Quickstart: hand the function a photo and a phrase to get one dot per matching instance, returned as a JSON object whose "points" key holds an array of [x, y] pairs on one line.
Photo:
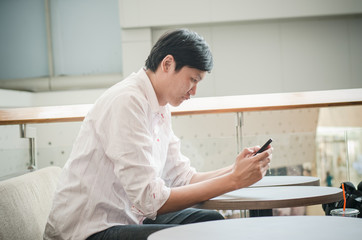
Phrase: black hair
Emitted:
{"points": [[187, 48]]}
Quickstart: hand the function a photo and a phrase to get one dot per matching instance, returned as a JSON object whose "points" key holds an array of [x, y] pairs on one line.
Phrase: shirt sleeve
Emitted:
{"points": [[178, 170], [124, 133]]}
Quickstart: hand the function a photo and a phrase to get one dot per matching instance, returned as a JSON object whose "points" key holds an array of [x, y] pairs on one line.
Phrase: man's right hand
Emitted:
{"points": [[249, 169]]}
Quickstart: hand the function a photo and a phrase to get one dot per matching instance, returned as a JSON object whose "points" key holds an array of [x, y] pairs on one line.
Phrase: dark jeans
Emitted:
{"points": [[142, 231]]}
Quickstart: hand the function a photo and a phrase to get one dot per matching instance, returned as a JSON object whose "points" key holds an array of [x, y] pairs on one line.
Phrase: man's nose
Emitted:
{"points": [[192, 91]]}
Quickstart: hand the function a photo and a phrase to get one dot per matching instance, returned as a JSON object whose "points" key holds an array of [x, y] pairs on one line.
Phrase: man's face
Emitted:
{"points": [[183, 84]]}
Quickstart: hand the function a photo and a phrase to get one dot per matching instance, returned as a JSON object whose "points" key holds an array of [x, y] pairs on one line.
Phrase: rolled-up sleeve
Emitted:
{"points": [[178, 170]]}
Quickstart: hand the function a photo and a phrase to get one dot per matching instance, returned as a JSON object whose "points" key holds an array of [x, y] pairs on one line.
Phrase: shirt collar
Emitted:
{"points": [[150, 93]]}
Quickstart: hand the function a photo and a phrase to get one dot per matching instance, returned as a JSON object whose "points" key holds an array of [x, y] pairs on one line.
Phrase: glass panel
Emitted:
{"points": [[339, 155], [293, 133], [55, 142], [23, 45], [208, 140], [354, 139], [14, 152], [293, 155], [86, 37]]}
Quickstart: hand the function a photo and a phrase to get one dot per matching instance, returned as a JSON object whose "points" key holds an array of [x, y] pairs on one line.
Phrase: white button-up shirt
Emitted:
{"points": [[122, 166]]}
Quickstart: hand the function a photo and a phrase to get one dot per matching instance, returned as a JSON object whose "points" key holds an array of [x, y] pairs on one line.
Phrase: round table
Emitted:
{"points": [[273, 197], [274, 181], [281, 228]]}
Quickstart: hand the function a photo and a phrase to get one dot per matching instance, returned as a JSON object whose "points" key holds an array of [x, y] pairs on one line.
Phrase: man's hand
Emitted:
{"points": [[249, 169]]}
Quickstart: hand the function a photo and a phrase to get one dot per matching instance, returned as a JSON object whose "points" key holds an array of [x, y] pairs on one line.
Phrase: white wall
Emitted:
{"points": [[258, 46], [10, 98], [277, 56], [161, 13], [66, 97]]}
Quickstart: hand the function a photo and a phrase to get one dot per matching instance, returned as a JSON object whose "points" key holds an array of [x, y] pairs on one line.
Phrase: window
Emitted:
{"points": [[84, 37]]}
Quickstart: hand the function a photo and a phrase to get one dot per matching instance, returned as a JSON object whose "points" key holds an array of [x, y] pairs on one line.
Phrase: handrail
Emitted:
{"points": [[270, 101], [49, 114], [241, 103]]}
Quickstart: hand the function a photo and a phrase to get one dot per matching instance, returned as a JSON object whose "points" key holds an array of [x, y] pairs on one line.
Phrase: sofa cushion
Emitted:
{"points": [[25, 203]]}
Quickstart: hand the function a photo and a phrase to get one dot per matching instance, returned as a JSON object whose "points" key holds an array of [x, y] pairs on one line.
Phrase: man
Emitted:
{"points": [[126, 177]]}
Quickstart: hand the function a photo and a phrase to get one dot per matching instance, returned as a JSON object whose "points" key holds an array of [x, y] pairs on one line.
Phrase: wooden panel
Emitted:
{"points": [[70, 113]]}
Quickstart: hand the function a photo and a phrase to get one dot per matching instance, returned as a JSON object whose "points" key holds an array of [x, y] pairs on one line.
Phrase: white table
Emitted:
{"points": [[277, 181], [280, 228], [274, 181], [273, 197]]}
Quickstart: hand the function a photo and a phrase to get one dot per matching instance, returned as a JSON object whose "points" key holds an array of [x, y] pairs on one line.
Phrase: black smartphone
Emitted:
{"points": [[262, 149]]}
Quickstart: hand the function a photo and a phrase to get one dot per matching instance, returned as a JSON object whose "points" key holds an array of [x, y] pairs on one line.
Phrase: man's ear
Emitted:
{"points": [[167, 63]]}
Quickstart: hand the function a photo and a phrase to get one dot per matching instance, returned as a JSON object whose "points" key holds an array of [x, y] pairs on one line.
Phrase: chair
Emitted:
{"points": [[25, 203]]}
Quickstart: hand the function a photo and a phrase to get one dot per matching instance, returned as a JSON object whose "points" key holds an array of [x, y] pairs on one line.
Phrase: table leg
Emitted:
{"points": [[244, 213], [261, 213]]}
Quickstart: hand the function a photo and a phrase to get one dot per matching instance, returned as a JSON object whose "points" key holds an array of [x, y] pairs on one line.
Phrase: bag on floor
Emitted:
{"points": [[353, 199]]}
